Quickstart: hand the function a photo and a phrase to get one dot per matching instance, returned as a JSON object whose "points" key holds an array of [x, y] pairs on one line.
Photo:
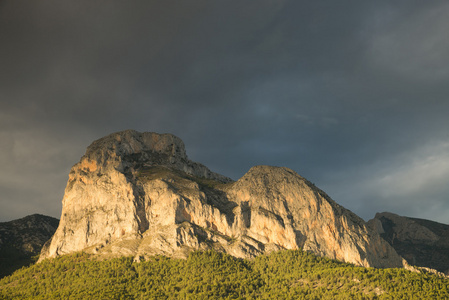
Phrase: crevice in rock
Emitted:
{"points": [[139, 195], [246, 213]]}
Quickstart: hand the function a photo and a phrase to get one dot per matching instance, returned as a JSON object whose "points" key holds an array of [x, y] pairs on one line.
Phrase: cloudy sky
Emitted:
{"points": [[352, 95]]}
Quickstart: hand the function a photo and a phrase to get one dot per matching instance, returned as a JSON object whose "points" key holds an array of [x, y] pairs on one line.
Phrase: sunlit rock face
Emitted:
{"points": [[138, 194]]}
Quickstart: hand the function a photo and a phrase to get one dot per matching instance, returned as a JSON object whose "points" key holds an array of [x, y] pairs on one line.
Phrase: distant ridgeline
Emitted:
{"points": [[138, 194], [22, 239]]}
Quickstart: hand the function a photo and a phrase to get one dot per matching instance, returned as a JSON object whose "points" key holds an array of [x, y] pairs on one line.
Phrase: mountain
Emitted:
{"points": [[422, 243], [138, 194], [23, 238]]}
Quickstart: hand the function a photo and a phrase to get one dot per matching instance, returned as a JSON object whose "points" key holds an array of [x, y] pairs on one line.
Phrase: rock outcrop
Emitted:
{"points": [[138, 194], [422, 243]]}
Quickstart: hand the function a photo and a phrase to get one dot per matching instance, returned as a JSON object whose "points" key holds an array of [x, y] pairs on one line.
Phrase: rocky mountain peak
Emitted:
{"points": [[130, 145], [131, 150], [138, 194]]}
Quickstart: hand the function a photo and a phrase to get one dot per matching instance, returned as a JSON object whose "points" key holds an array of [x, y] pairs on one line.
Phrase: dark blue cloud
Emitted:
{"points": [[353, 96]]}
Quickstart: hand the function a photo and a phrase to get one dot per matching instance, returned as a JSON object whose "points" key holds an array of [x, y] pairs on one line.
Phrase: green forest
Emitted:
{"points": [[213, 275]]}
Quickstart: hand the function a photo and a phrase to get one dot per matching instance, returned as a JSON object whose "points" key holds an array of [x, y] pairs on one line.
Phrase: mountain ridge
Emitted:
{"points": [[138, 194]]}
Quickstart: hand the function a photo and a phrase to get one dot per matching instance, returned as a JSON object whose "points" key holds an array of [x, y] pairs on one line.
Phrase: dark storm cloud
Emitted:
{"points": [[351, 95]]}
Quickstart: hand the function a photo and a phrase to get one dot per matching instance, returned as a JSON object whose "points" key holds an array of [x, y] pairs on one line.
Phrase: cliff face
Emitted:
{"points": [[138, 194], [290, 211], [422, 243]]}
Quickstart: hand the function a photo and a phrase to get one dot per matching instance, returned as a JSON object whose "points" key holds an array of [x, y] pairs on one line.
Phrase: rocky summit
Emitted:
{"points": [[138, 194]]}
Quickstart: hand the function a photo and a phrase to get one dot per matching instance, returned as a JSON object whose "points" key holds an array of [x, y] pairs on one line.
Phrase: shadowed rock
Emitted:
{"points": [[422, 243]]}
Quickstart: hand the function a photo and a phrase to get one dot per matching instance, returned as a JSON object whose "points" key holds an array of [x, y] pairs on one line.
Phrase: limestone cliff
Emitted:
{"points": [[422, 243], [138, 194]]}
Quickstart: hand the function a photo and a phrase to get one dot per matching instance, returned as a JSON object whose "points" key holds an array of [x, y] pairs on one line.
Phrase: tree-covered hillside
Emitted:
{"points": [[212, 275]]}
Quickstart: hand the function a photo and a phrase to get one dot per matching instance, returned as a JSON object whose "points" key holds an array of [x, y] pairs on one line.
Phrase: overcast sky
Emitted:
{"points": [[352, 95]]}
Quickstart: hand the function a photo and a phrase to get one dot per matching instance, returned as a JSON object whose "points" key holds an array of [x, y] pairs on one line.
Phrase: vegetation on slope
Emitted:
{"points": [[12, 259], [213, 275]]}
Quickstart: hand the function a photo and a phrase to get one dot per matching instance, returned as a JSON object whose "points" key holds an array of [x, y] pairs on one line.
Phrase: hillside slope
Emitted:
{"points": [[22, 239], [286, 274]]}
